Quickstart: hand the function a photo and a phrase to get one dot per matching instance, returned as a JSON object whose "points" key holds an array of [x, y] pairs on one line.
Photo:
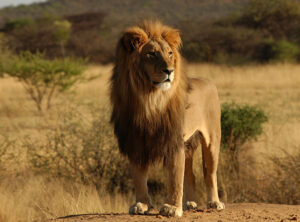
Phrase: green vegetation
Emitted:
{"points": [[19, 23], [42, 78], [240, 124], [282, 51]]}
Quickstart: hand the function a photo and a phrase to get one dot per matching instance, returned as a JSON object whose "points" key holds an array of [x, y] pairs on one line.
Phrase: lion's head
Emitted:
{"points": [[151, 52], [148, 91]]}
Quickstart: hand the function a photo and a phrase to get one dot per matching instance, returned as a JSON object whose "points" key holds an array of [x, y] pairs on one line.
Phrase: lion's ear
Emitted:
{"points": [[172, 36], [134, 38]]}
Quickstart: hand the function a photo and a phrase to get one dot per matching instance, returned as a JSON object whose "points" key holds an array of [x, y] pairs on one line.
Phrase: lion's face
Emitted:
{"points": [[157, 62], [152, 52]]}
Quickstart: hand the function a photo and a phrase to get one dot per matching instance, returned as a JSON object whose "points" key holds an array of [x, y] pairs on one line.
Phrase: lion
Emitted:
{"points": [[158, 113]]}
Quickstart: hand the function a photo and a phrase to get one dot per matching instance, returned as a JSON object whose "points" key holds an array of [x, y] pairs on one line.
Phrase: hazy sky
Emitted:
{"points": [[4, 3]]}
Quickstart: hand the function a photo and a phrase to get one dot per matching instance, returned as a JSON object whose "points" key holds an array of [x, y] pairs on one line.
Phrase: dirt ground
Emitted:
{"points": [[233, 212]]}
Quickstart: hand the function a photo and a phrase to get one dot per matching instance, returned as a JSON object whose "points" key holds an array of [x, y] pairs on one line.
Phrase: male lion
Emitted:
{"points": [[160, 114]]}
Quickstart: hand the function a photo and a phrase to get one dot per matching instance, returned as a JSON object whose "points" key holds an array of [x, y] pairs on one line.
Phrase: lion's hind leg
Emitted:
{"points": [[143, 202]]}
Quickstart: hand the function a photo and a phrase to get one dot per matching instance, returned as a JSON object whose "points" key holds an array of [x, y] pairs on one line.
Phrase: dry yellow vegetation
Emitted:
{"points": [[275, 88]]}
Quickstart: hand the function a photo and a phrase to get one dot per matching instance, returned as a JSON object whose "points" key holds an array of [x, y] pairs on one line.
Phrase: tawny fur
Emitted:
{"points": [[148, 122], [152, 124]]}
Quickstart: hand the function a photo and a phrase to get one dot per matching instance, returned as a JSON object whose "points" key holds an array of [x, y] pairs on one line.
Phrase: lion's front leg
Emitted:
{"points": [[143, 202], [189, 202], [175, 165], [210, 156]]}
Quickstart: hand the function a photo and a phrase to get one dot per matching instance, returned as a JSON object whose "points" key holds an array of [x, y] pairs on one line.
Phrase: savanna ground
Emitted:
{"points": [[234, 212], [269, 166]]}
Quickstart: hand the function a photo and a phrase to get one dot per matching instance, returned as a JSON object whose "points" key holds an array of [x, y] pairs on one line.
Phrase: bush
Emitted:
{"points": [[82, 151], [42, 78], [240, 124], [281, 51], [17, 24]]}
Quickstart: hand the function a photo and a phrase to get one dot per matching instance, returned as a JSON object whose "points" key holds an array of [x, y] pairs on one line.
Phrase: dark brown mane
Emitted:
{"points": [[148, 123]]}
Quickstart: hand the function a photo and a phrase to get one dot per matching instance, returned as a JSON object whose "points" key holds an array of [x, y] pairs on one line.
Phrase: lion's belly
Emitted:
{"points": [[198, 114]]}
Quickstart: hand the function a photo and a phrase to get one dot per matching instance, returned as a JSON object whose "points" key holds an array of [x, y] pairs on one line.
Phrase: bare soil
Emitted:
{"points": [[233, 212]]}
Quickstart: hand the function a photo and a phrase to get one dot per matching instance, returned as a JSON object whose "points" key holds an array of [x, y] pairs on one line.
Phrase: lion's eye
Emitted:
{"points": [[170, 54], [151, 54]]}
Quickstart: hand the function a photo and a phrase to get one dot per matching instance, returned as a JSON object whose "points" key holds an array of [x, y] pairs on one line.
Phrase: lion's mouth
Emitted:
{"points": [[157, 83]]}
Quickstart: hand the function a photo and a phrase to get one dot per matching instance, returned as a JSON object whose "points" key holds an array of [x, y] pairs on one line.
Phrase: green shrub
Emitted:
{"points": [[240, 124], [281, 51], [17, 24], [42, 78]]}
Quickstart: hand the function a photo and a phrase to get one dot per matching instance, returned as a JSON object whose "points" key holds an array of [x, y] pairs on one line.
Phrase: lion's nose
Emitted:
{"points": [[168, 71]]}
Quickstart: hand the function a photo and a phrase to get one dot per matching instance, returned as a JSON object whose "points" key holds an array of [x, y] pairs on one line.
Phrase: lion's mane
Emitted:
{"points": [[148, 122]]}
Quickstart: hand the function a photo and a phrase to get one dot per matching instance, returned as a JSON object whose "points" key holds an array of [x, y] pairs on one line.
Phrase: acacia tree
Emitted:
{"points": [[43, 78]]}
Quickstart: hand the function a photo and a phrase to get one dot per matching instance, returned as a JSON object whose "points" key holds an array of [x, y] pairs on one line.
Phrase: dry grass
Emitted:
{"points": [[33, 198], [275, 88]]}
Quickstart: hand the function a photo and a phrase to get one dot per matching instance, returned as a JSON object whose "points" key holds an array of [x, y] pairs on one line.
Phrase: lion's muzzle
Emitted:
{"points": [[165, 84]]}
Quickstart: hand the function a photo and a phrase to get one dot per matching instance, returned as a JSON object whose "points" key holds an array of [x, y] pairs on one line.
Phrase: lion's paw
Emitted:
{"points": [[138, 208], [215, 205], [170, 211], [190, 205]]}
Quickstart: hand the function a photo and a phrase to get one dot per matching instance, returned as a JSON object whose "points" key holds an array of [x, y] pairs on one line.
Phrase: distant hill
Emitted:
{"points": [[99, 22], [220, 31], [127, 11]]}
